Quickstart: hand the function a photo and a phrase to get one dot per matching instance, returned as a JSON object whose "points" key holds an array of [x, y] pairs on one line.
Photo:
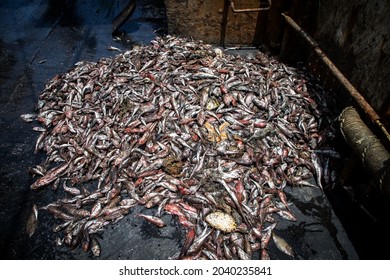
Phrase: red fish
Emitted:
{"points": [[154, 220]]}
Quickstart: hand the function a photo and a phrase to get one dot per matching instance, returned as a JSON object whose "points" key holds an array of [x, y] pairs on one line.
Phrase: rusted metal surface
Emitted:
{"points": [[224, 23], [230, 3], [270, 26], [264, 8]]}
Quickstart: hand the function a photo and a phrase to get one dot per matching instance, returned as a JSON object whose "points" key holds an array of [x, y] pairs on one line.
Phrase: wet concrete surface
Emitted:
{"points": [[43, 38]]}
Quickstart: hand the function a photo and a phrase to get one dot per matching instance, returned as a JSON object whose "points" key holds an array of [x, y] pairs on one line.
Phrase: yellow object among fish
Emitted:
{"points": [[216, 134], [222, 221]]}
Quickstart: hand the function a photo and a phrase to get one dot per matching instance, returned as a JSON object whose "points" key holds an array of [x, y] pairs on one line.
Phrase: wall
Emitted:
{"points": [[201, 19], [355, 35]]}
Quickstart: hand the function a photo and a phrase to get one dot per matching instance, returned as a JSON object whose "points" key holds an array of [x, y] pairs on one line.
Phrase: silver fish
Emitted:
{"points": [[282, 245], [29, 117], [32, 221]]}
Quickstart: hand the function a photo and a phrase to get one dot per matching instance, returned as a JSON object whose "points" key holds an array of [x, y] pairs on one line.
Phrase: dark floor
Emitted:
{"points": [[41, 38]]}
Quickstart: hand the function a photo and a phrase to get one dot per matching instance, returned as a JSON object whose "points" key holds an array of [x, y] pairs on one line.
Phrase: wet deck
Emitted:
{"points": [[41, 39]]}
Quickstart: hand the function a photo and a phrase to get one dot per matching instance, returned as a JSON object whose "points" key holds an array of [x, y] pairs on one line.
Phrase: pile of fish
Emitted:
{"points": [[183, 128]]}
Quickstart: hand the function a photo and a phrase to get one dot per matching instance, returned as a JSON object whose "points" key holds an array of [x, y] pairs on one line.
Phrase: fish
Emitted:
{"points": [[264, 254], [282, 245], [286, 214], [235, 200], [29, 117], [50, 176], [189, 239], [32, 220], [71, 190], [283, 198], [180, 129], [209, 254], [95, 247], [154, 220], [242, 255], [317, 169], [227, 252], [112, 48], [199, 241], [266, 235]]}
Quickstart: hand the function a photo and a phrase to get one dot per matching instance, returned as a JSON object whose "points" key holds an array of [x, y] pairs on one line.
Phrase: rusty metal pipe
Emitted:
{"points": [[249, 10], [360, 100]]}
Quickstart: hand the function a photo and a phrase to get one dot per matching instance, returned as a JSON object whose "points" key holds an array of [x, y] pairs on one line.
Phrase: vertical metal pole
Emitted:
{"points": [[260, 30], [224, 23]]}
